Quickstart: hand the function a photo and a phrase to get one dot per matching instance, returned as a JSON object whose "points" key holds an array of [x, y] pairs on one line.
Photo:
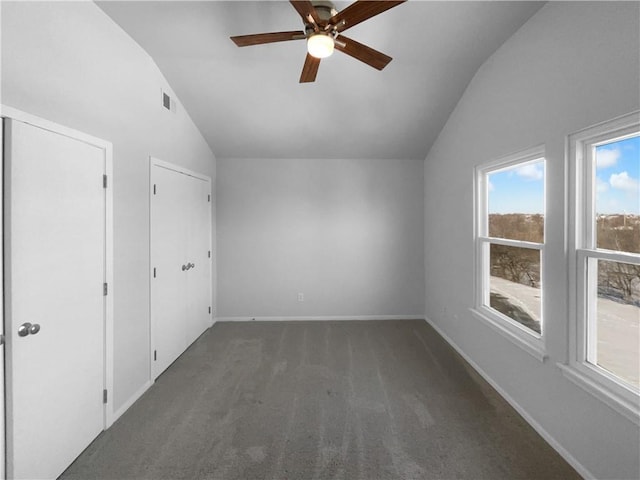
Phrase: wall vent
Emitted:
{"points": [[168, 102]]}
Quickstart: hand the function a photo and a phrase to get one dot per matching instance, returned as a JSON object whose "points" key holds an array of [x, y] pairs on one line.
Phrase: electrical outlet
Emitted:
{"points": [[301, 297]]}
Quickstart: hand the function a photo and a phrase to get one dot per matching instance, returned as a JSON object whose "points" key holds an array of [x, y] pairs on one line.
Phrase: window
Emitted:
{"points": [[510, 213], [604, 204]]}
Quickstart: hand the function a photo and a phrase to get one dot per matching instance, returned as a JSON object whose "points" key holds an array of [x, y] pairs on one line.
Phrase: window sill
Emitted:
{"points": [[530, 344], [629, 409]]}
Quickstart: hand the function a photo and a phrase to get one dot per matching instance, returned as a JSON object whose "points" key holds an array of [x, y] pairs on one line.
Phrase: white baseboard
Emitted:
{"points": [[571, 460], [125, 406], [319, 318]]}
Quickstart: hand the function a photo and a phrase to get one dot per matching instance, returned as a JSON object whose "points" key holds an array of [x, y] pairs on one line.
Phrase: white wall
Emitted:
{"points": [[572, 65], [71, 64], [346, 233]]}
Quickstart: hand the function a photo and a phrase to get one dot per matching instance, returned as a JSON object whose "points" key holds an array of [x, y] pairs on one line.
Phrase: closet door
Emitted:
{"points": [[198, 248], [180, 264], [169, 231]]}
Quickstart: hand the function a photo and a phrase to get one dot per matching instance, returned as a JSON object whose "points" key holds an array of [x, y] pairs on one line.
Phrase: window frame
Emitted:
{"points": [[527, 339], [583, 256]]}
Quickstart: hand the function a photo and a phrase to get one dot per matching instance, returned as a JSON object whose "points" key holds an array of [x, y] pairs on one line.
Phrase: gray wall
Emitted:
{"points": [[346, 233], [69, 63], [571, 66]]}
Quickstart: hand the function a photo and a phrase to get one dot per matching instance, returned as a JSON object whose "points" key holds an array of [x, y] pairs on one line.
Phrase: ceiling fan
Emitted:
{"points": [[323, 27]]}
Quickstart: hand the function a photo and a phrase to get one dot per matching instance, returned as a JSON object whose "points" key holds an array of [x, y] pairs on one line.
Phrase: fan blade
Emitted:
{"points": [[260, 38], [310, 69], [363, 53], [360, 11], [305, 8]]}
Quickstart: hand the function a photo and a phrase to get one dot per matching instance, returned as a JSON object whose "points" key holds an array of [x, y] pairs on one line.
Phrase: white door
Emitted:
{"points": [[169, 223], [198, 250], [180, 263], [54, 303]]}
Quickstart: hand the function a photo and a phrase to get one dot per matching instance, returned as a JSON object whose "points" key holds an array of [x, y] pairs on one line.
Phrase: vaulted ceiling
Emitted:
{"points": [[248, 103]]}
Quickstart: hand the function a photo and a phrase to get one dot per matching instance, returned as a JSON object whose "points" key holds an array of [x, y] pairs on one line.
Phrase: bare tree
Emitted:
{"points": [[619, 233], [520, 265], [618, 276]]}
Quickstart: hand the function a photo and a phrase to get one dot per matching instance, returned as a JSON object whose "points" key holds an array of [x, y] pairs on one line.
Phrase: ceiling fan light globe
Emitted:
{"points": [[320, 45]]}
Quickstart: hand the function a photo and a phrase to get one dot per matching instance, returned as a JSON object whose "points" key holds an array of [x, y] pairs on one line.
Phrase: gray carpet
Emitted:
{"points": [[320, 400]]}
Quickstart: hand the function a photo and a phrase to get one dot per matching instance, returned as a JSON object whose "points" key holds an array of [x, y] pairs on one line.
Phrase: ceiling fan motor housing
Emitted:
{"points": [[324, 9]]}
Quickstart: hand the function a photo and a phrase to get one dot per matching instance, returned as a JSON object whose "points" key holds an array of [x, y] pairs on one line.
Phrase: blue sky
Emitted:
{"points": [[617, 175], [617, 182], [518, 189]]}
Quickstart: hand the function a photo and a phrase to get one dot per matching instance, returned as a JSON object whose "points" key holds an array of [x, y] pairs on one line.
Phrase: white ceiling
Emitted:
{"points": [[248, 103]]}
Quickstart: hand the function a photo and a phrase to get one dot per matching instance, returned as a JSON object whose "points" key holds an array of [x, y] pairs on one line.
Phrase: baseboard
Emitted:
{"points": [[319, 318], [125, 406], [571, 460]]}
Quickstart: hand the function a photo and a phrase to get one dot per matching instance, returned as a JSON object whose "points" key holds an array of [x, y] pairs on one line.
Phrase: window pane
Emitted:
{"points": [[515, 284], [617, 319], [516, 202], [617, 171]]}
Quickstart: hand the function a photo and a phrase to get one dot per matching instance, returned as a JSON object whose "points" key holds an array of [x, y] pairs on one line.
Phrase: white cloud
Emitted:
{"points": [[601, 185], [622, 181], [530, 172], [490, 185], [607, 157]]}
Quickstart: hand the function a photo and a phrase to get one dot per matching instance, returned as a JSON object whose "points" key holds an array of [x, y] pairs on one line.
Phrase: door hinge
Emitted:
{"points": [[155, 355], [104, 396], [154, 188], [209, 253], [105, 289], [209, 309], [104, 181], [154, 272], [208, 198]]}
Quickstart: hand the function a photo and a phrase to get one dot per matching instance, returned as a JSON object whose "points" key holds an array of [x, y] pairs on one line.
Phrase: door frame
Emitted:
{"points": [[156, 162], [108, 331]]}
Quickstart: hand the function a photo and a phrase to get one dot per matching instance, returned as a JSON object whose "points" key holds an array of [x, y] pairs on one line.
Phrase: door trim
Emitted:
{"points": [[3, 439], [176, 168], [155, 162], [107, 148]]}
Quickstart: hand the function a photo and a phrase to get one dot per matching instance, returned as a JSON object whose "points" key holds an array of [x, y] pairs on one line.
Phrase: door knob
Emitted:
{"points": [[33, 329], [25, 329], [191, 265]]}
